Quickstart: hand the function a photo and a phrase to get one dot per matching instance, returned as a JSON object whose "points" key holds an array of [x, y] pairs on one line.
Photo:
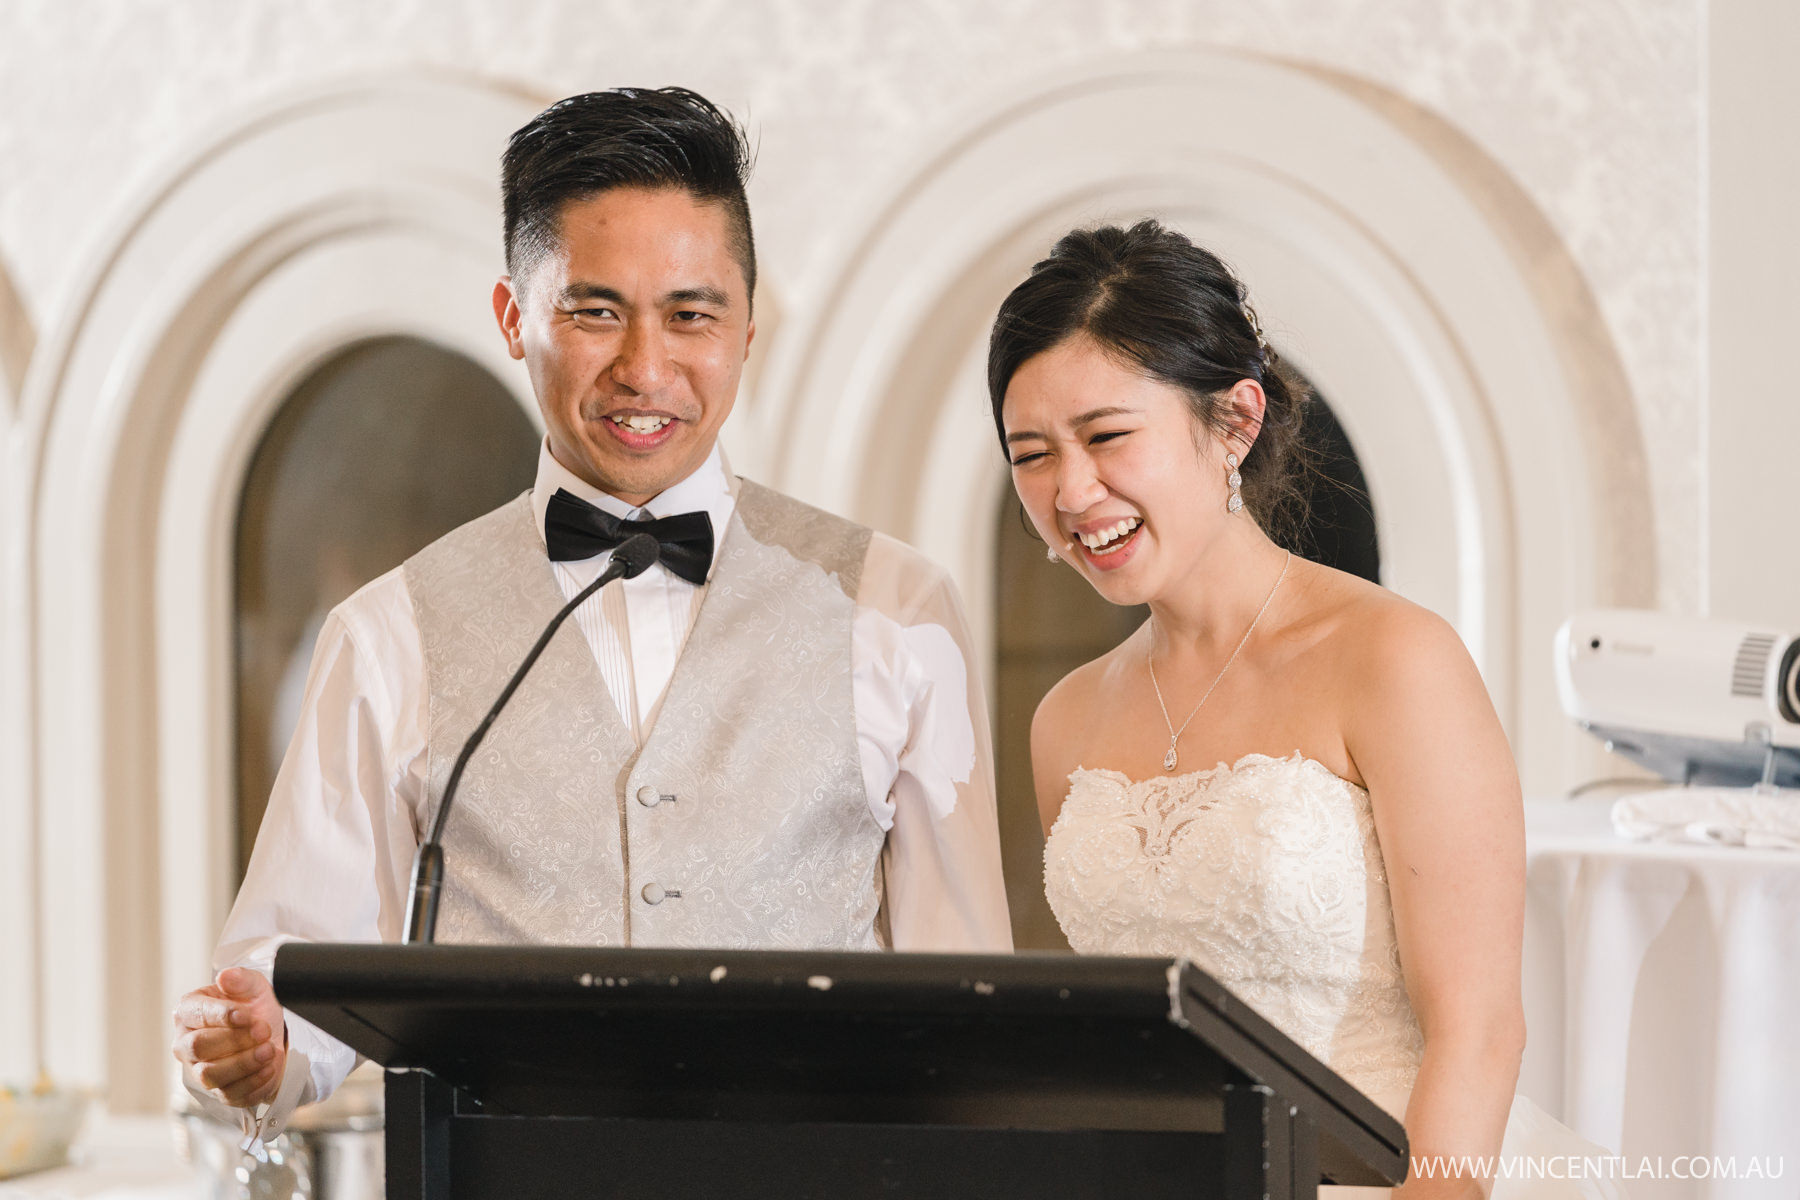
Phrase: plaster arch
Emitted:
{"points": [[347, 212], [18, 835], [16, 340], [1389, 257]]}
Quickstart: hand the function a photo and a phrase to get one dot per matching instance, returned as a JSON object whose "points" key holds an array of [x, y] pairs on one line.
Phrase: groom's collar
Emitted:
{"points": [[711, 489]]}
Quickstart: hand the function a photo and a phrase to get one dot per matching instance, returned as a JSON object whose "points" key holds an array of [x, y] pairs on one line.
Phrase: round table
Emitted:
{"points": [[1662, 999]]}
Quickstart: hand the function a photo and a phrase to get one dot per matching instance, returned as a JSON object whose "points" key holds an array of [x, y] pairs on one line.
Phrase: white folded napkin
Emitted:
{"points": [[1712, 816]]}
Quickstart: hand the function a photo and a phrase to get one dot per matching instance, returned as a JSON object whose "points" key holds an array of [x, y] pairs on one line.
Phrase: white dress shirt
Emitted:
{"points": [[334, 855]]}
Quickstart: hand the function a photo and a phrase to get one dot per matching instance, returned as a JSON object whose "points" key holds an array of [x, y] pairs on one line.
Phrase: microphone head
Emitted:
{"points": [[637, 553]]}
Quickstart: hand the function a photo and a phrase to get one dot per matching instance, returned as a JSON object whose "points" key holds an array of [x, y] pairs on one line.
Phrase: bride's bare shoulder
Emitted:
{"points": [[1065, 721], [1357, 629], [1075, 695]]}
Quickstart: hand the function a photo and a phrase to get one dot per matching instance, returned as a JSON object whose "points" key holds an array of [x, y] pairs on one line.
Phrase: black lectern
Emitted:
{"points": [[544, 1071]]}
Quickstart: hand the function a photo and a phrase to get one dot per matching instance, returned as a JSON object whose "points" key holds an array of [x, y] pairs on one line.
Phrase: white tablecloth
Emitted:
{"points": [[1662, 996], [117, 1158]]}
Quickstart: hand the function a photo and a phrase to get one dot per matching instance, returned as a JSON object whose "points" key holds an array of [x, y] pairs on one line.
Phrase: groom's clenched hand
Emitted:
{"points": [[231, 1038]]}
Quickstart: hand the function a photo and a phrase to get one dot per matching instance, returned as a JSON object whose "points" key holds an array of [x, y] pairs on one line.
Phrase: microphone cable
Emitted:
{"points": [[635, 555]]}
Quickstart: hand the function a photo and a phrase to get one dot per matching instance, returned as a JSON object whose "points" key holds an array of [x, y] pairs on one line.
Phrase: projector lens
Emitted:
{"points": [[1788, 683]]}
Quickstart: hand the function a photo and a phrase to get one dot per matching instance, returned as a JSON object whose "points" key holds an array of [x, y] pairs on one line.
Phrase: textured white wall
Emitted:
{"points": [[1595, 106], [1753, 415]]}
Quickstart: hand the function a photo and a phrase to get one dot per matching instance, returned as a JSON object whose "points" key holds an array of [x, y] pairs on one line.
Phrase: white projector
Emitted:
{"points": [[1697, 701]]}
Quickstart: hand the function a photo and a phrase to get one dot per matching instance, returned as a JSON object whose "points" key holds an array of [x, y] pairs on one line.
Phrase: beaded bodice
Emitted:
{"points": [[1267, 874]]}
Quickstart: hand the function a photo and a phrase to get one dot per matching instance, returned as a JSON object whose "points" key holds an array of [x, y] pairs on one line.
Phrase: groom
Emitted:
{"points": [[773, 738]]}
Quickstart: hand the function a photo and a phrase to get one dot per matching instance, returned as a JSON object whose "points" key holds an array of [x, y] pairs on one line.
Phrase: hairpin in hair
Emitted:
{"points": [[1262, 343]]}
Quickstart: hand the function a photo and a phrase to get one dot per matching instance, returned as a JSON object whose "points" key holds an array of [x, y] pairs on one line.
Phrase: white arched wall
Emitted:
{"points": [[18, 862], [1395, 264], [344, 214]]}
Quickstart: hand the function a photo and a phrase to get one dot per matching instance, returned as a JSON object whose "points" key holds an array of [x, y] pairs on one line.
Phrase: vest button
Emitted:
{"points": [[648, 796], [653, 893]]}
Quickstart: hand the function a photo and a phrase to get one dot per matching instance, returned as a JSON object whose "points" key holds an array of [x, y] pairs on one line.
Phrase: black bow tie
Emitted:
{"points": [[575, 530]]}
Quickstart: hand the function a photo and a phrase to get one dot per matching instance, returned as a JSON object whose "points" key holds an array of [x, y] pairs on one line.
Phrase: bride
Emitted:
{"points": [[1287, 774]]}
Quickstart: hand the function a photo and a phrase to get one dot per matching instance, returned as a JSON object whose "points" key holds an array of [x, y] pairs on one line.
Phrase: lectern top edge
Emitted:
{"points": [[554, 977]]}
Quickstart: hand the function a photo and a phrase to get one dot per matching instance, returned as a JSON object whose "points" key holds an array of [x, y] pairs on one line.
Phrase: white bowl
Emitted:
{"points": [[36, 1129]]}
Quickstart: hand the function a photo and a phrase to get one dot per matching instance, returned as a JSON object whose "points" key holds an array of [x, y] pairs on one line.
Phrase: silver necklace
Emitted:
{"points": [[1171, 759]]}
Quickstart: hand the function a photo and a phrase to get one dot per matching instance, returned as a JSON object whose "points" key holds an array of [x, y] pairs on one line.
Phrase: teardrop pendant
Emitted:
{"points": [[1169, 759]]}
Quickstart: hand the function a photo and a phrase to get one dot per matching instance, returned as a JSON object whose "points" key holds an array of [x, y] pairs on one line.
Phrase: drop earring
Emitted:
{"points": [[1050, 553], [1234, 481]]}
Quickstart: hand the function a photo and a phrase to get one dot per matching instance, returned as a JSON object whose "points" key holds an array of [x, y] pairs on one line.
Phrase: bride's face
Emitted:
{"points": [[1115, 463]]}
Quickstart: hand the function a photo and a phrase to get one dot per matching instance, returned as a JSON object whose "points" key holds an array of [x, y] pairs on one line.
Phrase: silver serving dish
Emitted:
{"points": [[329, 1151]]}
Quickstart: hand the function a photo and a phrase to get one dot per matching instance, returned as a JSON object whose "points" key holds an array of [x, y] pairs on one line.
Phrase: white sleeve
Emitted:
{"points": [[334, 855], [927, 757]]}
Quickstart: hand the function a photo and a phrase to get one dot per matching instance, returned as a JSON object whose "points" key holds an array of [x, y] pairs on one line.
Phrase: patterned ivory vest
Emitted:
{"points": [[741, 823]]}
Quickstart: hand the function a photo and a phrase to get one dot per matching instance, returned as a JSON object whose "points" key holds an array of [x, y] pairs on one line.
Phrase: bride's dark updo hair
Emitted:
{"points": [[1172, 311]]}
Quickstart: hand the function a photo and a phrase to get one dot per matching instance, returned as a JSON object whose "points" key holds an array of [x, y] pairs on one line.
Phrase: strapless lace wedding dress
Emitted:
{"points": [[1267, 874]]}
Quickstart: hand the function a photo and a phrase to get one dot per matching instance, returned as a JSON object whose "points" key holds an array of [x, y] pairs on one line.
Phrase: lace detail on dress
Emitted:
{"points": [[1266, 873]]}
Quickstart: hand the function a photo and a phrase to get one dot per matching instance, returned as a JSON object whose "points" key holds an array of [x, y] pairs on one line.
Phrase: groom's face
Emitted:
{"points": [[634, 333]]}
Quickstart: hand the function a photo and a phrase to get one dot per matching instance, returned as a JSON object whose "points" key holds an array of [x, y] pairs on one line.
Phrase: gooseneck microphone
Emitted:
{"points": [[635, 555]]}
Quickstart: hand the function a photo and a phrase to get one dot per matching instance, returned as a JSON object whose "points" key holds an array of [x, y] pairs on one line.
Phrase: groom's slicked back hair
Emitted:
{"points": [[1171, 311], [626, 137]]}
